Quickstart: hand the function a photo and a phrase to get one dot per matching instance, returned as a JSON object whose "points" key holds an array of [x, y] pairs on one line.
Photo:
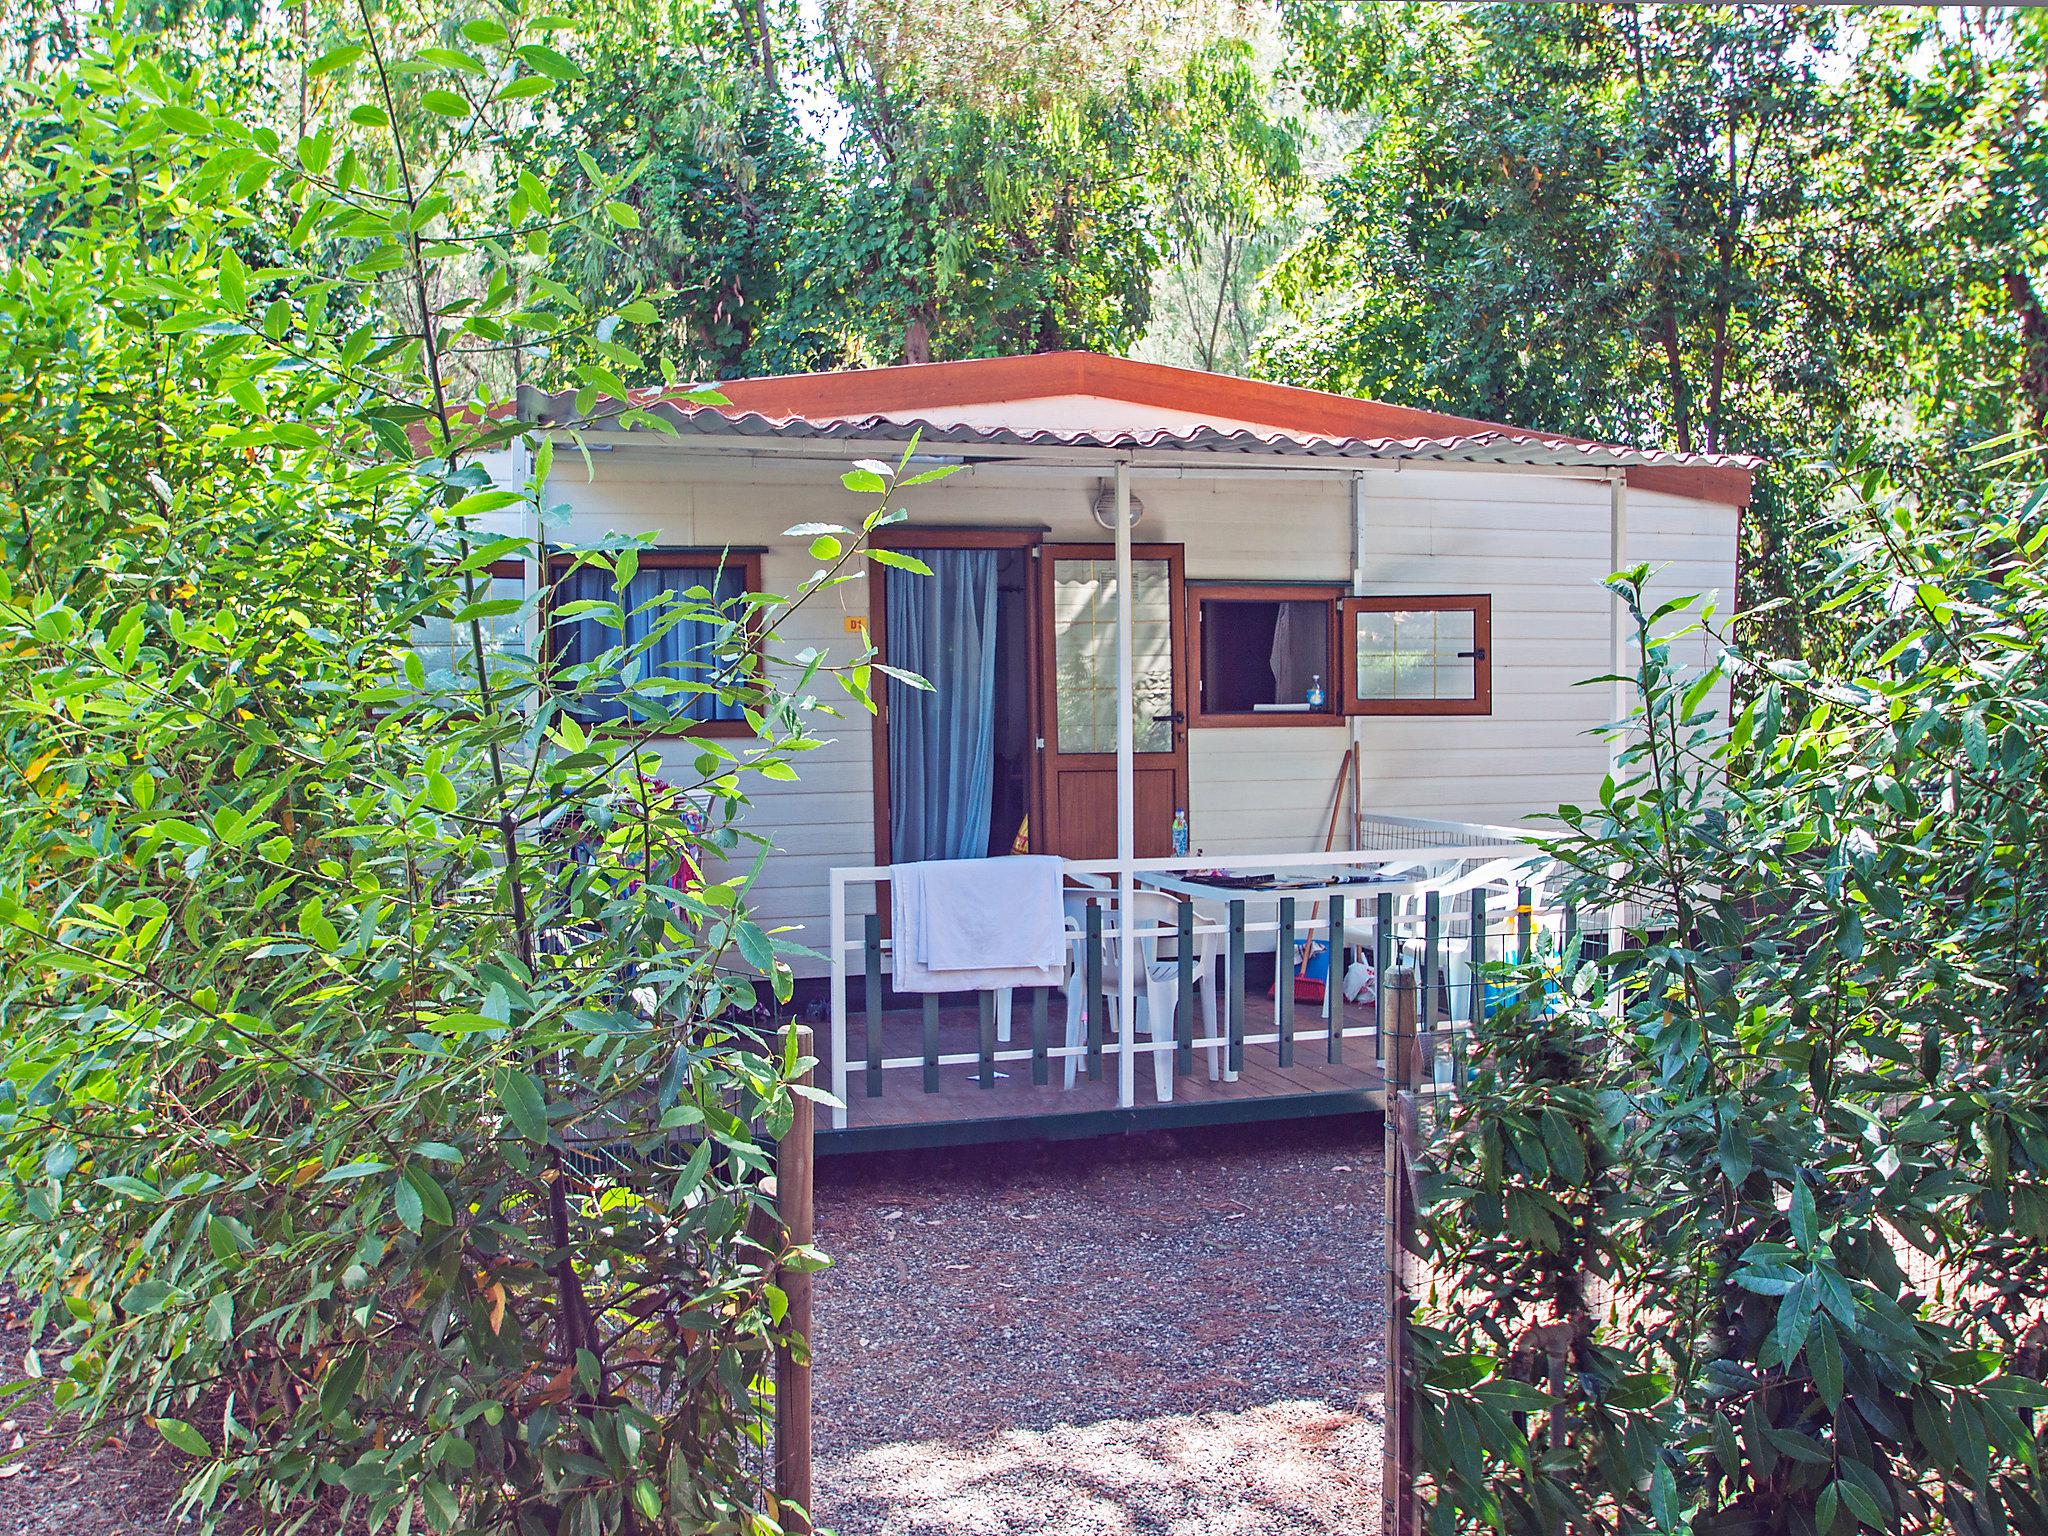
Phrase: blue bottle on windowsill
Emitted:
{"points": [[1180, 834], [1316, 696]]}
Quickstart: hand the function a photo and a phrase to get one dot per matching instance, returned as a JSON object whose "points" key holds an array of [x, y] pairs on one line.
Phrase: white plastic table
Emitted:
{"points": [[1301, 886]]}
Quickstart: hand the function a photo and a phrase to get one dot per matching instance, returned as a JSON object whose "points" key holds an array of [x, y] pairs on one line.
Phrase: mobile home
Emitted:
{"points": [[1320, 652]]}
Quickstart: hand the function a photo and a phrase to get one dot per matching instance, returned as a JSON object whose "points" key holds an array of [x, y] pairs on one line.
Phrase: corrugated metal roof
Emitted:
{"points": [[1493, 446]]}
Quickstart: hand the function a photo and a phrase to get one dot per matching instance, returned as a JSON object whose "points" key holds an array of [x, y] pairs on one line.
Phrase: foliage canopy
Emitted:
{"points": [[384, 1103]]}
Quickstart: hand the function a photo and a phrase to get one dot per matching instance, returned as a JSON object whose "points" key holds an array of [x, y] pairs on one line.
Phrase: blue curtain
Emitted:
{"points": [[942, 744], [683, 652]]}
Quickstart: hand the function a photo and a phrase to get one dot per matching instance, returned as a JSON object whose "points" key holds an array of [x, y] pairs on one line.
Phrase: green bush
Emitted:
{"points": [[382, 1123], [1770, 1181]]}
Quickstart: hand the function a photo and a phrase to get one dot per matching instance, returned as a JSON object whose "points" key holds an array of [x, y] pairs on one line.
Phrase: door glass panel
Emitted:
{"points": [[1084, 654]]}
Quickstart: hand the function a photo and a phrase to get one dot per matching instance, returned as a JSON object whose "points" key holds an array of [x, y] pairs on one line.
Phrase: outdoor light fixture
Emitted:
{"points": [[1105, 507]]}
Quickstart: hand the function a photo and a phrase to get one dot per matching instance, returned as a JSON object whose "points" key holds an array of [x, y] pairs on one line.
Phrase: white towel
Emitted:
{"points": [[971, 925]]}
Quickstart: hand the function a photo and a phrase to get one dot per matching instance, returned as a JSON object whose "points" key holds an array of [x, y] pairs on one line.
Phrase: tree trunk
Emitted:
{"points": [[917, 336], [765, 31], [2026, 303], [1674, 363]]}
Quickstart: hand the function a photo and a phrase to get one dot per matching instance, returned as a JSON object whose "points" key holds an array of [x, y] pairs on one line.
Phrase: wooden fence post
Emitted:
{"points": [[1399, 1516], [794, 1161]]}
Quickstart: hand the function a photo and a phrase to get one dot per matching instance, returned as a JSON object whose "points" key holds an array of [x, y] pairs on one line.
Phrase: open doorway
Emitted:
{"points": [[955, 769]]}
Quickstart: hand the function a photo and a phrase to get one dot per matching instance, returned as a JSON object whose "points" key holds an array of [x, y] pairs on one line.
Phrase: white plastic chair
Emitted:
{"points": [[1503, 878], [1158, 999]]}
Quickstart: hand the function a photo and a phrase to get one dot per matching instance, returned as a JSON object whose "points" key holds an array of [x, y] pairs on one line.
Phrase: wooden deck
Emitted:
{"points": [[1016, 1108]]}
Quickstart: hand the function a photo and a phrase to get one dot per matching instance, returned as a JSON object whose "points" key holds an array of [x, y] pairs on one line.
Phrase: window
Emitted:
{"points": [[1265, 655], [704, 584], [444, 647], [1418, 656]]}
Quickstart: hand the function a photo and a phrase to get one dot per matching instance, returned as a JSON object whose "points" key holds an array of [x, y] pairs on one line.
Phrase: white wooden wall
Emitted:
{"points": [[1538, 545]]}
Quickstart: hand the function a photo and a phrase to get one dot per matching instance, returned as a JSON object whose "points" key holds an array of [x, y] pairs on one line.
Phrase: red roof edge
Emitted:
{"points": [[1285, 407]]}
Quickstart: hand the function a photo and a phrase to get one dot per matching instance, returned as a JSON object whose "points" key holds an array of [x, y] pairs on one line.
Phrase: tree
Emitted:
{"points": [[382, 1102], [1008, 166], [1602, 220], [1949, 143], [1229, 173], [737, 204]]}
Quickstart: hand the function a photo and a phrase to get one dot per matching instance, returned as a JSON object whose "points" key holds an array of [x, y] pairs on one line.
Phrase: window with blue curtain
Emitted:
{"points": [[685, 651]]}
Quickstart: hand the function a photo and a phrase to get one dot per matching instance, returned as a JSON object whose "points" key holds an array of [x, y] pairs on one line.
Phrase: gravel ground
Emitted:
{"points": [[50, 1487], [1161, 1334], [1157, 1334]]}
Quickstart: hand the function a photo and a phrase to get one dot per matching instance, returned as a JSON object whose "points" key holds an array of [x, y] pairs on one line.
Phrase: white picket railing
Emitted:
{"points": [[1428, 869]]}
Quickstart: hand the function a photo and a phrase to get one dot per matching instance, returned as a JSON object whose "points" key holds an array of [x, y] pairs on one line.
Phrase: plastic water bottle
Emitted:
{"points": [[1180, 834], [1316, 696]]}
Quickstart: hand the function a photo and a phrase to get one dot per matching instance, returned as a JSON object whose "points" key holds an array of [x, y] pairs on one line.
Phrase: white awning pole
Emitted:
{"points": [[1126, 801], [1617, 618]]}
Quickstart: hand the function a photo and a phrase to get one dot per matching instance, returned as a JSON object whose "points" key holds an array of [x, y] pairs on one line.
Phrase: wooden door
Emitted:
{"points": [[1077, 630]]}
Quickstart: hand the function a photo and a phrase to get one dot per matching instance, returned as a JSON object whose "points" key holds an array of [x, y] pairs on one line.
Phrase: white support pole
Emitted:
{"points": [[1346, 641], [836, 926], [1356, 553], [1617, 618], [1126, 802]]}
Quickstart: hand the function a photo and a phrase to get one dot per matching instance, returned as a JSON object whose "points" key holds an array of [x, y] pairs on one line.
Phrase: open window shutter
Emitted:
{"points": [[1417, 655]]}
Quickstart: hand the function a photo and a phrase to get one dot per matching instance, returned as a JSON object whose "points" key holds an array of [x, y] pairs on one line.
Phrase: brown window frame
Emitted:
{"points": [[1478, 604], [1199, 592], [707, 560]]}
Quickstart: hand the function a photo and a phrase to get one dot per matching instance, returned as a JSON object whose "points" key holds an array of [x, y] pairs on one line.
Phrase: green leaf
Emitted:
{"points": [[1824, 1360], [314, 924], [184, 119], [336, 58], [1735, 1157], [524, 1105], [1795, 1315], [440, 791], [647, 1499], [146, 1297], [1805, 1221], [1798, 1447], [755, 947], [228, 1239], [1827, 1507], [625, 215], [1862, 1505], [444, 1512], [433, 1199], [406, 1201], [445, 103], [184, 1437], [455, 59], [900, 561], [554, 65], [338, 1386], [908, 679], [362, 1168]]}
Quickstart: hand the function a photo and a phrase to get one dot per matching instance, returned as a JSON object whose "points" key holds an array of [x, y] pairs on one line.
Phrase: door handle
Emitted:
{"points": [[1177, 718]]}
